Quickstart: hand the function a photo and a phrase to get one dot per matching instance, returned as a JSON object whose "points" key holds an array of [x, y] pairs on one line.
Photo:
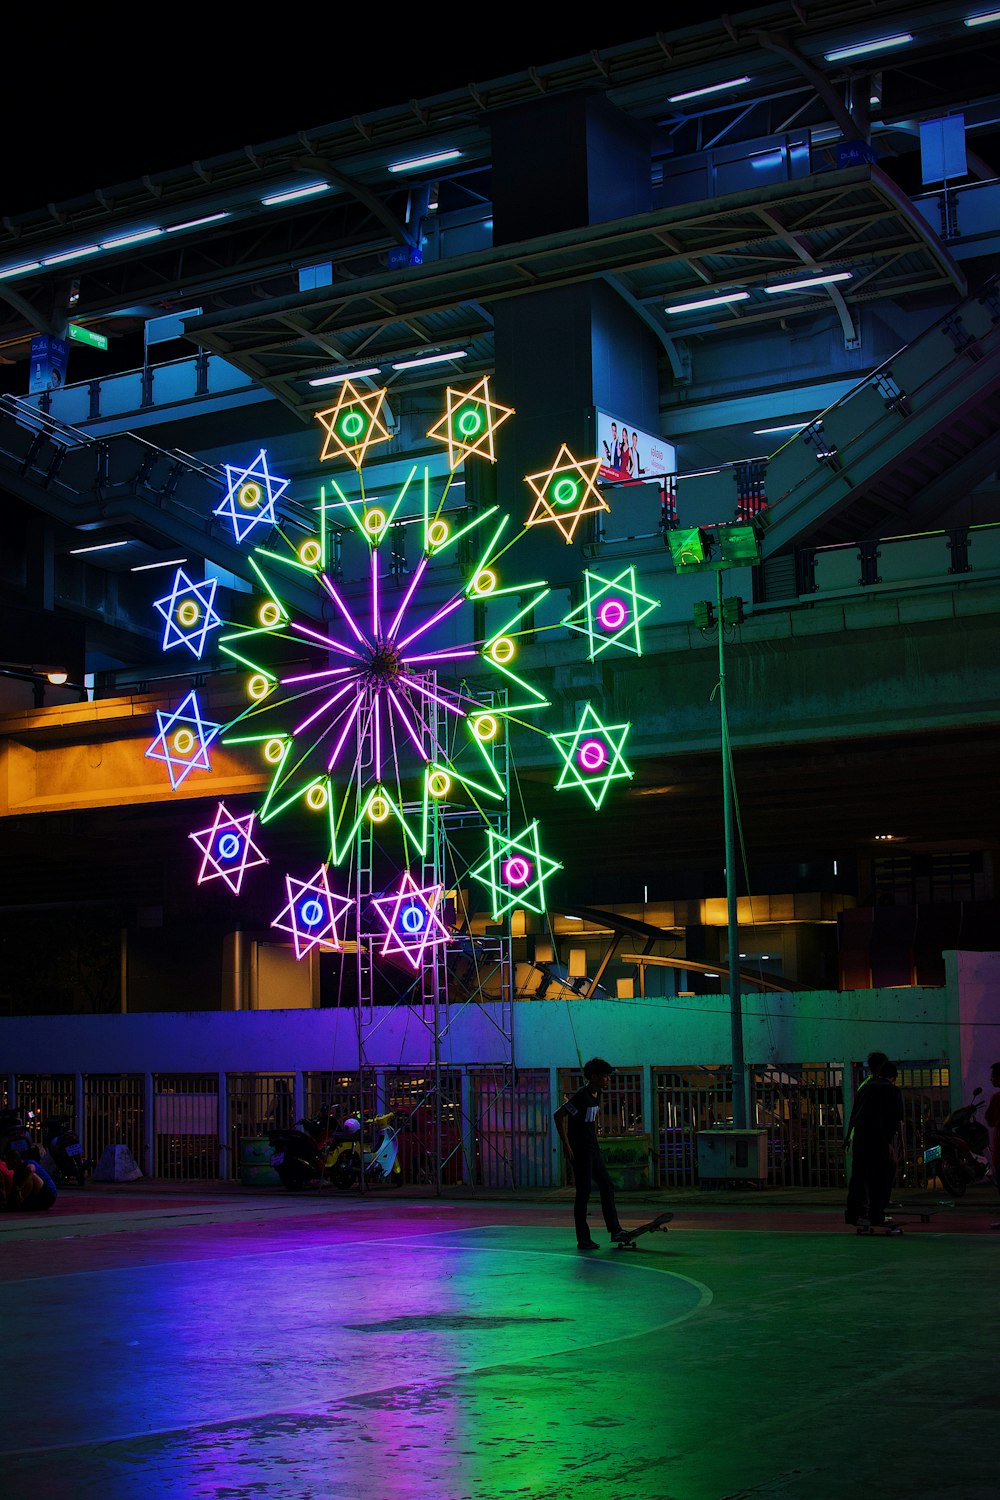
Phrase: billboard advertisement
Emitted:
{"points": [[628, 454]]}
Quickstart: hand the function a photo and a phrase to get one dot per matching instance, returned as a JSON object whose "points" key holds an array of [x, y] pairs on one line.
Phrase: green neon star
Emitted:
{"points": [[593, 756], [611, 612], [515, 870]]}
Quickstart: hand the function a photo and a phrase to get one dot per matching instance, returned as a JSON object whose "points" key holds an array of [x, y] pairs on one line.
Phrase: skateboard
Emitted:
{"points": [[892, 1224], [631, 1235]]}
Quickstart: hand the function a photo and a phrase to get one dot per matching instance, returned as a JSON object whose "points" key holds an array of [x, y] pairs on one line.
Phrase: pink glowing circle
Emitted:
{"points": [[612, 614], [592, 755], [517, 871]]}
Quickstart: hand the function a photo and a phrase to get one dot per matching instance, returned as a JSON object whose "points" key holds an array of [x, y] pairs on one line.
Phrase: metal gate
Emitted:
{"points": [[801, 1106], [42, 1097], [687, 1099], [512, 1116], [256, 1103], [186, 1127], [114, 1114], [417, 1105]]}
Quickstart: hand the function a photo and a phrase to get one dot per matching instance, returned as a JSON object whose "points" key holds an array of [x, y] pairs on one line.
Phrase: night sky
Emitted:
{"points": [[102, 97]]}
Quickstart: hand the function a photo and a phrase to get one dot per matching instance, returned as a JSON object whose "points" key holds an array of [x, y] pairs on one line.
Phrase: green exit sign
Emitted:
{"points": [[86, 336]]}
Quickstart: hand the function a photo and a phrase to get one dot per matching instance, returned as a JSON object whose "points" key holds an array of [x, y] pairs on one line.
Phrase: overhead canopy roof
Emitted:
{"points": [[854, 219]]}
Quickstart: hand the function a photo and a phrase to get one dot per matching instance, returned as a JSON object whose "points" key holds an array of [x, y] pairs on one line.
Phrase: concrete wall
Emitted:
{"points": [[818, 1027], [975, 978]]}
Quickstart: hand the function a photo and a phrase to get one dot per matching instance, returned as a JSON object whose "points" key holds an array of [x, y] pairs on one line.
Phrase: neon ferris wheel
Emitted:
{"points": [[360, 710]]}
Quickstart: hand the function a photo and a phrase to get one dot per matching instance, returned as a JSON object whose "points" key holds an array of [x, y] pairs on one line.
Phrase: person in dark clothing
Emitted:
{"points": [[878, 1121], [857, 1202], [576, 1121]]}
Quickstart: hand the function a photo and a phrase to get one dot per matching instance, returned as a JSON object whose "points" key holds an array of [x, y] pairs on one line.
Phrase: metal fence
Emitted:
{"points": [[255, 1104], [114, 1114], [802, 1109], [685, 1101], [42, 1097], [186, 1127], [495, 1123], [512, 1114], [418, 1107]]}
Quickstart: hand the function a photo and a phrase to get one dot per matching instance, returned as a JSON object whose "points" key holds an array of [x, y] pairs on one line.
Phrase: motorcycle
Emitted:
{"points": [[325, 1148], [16, 1145], [956, 1147], [63, 1145], [298, 1153], [380, 1162]]}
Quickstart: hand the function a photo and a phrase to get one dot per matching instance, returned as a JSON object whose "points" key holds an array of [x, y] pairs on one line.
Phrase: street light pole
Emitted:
{"points": [[732, 923]]}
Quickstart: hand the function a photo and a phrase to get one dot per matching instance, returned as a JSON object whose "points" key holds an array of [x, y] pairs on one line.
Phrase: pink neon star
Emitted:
{"points": [[228, 849], [411, 920]]}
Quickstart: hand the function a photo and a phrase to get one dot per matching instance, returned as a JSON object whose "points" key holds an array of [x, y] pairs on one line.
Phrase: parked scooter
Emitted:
{"points": [[63, 1145], [298, 1153], [16, 1145], [380, 1161], [956, 1147]]}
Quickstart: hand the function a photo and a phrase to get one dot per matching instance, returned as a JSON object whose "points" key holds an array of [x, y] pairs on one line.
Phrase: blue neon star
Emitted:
{"points": [[189, 738], [188, 613], [251, 494]]}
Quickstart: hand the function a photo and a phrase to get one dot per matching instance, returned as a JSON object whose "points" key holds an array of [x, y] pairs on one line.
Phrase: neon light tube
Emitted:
{"points": [[401, 611], [429, 359], [712, 88], [799, 286], [130, 239], [342, 607], [708, 302], [858, 49], [55, 260], [397, 705], [322, 709], [441, 614], [196, 223], [416, 162], [293, 193], [347, 375]]}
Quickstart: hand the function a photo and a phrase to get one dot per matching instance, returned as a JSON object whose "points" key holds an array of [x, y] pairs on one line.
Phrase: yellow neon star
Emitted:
{"points": [[567, 492], [470, 422], [354, 424]]}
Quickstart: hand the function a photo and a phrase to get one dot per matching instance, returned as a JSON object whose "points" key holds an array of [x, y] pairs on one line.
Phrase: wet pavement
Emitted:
{"points": [[227, 1342]]}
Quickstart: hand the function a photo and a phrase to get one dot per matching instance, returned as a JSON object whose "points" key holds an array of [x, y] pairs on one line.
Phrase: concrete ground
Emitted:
{"points": [[229, 1342]]}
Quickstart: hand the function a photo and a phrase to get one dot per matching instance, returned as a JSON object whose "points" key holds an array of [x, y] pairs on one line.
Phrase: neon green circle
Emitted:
{"points": [[565, 491], [352, 424], [469, 422]]}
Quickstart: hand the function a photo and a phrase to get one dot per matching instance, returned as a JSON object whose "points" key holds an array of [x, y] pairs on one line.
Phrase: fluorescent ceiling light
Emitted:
{"points": [[54, 260], [805, 286], [698, 473], [346, 375], [712, 88], [130, 239], [429, 359], [169, 562], [27, 265], [983, 19], [98, 547], [860, 48], [194, 223], [416, 162], [789, 427], [716, 301], [302, 192]]}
